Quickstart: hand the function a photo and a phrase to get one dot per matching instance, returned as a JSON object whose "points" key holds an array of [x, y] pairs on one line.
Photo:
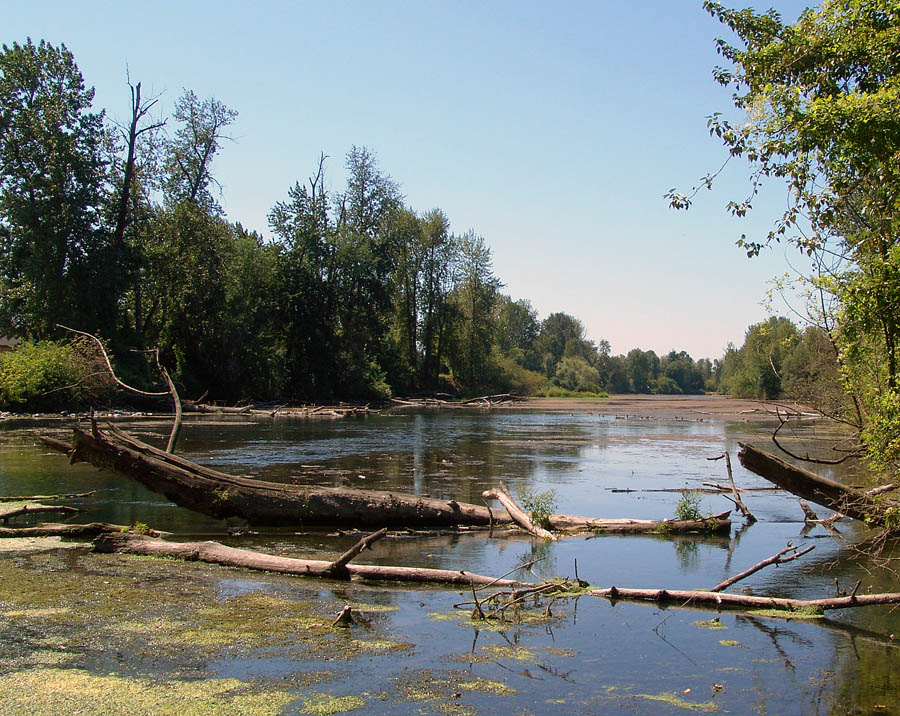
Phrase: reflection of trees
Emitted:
{"points": [[543, 557]]}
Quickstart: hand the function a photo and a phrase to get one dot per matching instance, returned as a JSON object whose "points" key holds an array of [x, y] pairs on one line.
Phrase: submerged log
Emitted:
{"points": [[216, 553], [273, 504], [810, 486]]}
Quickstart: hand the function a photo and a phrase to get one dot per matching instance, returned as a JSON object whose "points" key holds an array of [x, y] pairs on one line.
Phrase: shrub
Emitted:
{"points": [[538, 505], [688, 507], [50, 376]]}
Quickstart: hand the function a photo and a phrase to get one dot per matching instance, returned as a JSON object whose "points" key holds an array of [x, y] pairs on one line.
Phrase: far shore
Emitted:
{"points": [[694, 407]]}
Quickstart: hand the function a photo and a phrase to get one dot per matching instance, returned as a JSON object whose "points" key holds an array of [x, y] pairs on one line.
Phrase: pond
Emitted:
{"points": [[118, 629]]}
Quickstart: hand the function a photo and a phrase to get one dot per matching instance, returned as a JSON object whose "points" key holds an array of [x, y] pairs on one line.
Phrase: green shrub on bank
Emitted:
{"points": [[48, 376], [554, 391]]}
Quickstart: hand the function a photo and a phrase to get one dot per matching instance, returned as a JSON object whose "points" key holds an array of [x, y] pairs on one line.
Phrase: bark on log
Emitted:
{"points": [[743, 601], [215, 553], [262, 503], [272, 504], [810, 486]]}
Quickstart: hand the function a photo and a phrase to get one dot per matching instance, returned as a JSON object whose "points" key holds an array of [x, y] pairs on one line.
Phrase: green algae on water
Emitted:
{"points": [[52, 691], [319, 704], [673, 699], [711, 624]]}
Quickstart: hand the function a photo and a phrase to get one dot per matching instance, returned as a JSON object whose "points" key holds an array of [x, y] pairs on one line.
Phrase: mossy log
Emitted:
{"points": [[273, 504]]}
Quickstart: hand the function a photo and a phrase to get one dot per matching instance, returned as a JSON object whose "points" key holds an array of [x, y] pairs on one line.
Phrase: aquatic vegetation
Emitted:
{"points": [[715, 623], [319, 704], [673, 699], [498, 651], [51, 691]]}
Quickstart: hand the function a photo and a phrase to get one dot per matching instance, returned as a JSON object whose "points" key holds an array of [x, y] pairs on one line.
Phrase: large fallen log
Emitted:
{"points": [[216, 553], [815, 488], [272, 504]]}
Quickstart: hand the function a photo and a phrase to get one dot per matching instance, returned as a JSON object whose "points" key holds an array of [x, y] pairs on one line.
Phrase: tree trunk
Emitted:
{"points": [[813, 487], [272, 504], [215, 553]]}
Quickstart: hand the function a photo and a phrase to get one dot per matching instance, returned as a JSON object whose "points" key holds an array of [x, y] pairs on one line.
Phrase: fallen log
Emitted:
{"points": [[61, 529], [271, 504], [216, 553], [16, 510], [38, 498], [685, 597], [815, 488]]}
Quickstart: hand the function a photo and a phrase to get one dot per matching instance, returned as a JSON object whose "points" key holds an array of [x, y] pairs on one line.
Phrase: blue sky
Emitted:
{"points": [[551, 129]]}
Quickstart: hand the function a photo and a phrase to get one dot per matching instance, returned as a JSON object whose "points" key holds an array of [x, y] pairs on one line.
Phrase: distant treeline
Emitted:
{"points": [[116, 230]]}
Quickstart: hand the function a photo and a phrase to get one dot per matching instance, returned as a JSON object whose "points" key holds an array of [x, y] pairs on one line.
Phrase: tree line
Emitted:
{"points": [[116, 229]]}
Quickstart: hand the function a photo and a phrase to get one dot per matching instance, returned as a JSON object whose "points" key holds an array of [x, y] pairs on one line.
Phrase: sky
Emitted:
{"points": [[553, 130]]}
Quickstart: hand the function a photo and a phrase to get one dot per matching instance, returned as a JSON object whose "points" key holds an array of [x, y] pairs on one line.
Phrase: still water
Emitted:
{"points": [[593, 657]]}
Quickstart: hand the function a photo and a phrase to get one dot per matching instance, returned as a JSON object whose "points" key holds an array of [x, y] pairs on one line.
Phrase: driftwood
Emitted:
{"points": [[221, 495], [37, 498], [739, 503], [484, 401], [60, 529], [810, 486], [516, 513], [709, 598], [34, 508], [216, 553]]}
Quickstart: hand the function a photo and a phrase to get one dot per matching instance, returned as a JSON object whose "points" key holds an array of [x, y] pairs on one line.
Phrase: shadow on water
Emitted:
{"points": [[589, 657]]}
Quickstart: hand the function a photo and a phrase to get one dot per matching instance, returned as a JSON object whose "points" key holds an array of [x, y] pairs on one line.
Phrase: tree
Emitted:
{"points": [[556, 332], [195, 145], [820, 97], [440, 274], [643, 369], [306, 287], [475, 297], [52, 186], [517, 329]]}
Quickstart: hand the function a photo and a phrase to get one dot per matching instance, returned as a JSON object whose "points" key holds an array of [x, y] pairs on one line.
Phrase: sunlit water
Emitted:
{"points": [[596, 658]]}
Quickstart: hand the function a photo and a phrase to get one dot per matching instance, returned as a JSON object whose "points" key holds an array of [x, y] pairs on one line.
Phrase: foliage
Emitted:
{"points": [[688, 507], [820, 101], [50, 376], [52, 186], [539, 505], [574, 373]]}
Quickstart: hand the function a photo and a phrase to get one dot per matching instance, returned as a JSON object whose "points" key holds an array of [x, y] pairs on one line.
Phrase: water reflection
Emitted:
{"points": [[616, 658]]}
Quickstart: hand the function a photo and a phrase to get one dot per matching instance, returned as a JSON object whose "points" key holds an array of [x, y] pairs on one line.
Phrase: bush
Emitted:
{"points": [[50, 376], [512, 377], [688, 507]]}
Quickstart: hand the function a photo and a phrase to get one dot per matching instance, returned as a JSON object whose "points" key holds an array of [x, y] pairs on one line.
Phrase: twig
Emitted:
{"points": [[774, 559]]}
